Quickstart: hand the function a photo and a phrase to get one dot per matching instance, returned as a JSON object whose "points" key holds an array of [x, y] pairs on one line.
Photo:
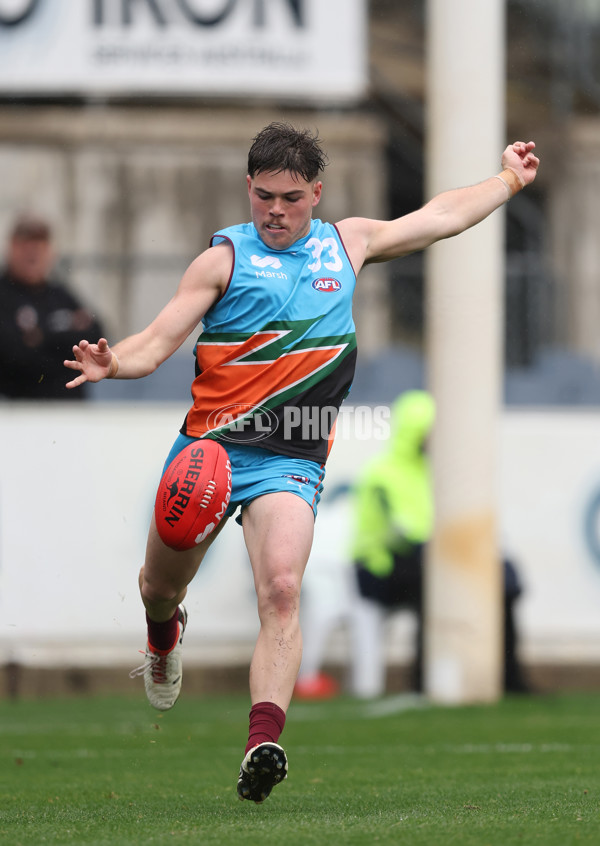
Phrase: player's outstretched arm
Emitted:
{"points": [[140, 354], [447, 214]]}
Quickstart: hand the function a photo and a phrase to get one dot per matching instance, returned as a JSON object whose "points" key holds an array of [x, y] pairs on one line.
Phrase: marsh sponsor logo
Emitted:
{"points": [[266, 261]]}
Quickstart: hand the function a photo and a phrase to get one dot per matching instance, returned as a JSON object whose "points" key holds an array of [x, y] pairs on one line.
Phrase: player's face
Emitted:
{"points": [[281, 205]]}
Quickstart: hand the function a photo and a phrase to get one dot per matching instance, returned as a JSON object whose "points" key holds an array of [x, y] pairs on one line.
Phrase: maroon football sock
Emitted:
{"points": [[266, 724], [163, 636]]}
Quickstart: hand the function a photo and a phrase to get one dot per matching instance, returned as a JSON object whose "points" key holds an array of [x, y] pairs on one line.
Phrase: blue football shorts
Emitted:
{"points": [[256, 471]]}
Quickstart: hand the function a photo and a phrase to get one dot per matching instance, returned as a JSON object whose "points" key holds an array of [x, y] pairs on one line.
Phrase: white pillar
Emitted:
{"points": [[465, 137]]}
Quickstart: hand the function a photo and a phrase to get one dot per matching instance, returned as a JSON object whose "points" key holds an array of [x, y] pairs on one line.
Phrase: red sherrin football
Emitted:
{"points": [[193, 494]]}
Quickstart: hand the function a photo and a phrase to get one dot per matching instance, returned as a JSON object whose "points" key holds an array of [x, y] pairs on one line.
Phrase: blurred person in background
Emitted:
{"points": [[40, 319], [393, 518], [274, 293]]}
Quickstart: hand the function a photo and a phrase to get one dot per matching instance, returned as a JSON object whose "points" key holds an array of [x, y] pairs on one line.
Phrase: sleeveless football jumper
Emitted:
{"points": [[277, 353]]}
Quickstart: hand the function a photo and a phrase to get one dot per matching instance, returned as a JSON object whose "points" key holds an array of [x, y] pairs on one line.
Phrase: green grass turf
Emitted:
{"points": [[113, 771]]}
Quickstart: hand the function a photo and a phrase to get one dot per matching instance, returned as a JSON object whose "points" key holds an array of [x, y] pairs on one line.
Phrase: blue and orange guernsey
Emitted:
{"points": [[277, 353]]}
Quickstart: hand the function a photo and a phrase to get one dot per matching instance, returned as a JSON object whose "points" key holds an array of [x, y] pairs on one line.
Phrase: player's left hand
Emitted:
{"points": [[521, 159]]}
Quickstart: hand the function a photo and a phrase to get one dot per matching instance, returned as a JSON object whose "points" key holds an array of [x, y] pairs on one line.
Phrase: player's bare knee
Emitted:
{"points": [[156, 592], [280, 595]]}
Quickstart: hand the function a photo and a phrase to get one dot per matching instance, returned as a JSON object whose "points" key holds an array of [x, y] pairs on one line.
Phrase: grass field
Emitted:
{"points": [[113, 771]]}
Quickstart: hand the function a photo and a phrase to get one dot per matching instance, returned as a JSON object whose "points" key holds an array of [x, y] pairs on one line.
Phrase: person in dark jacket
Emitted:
{"points": [[40, 320]]}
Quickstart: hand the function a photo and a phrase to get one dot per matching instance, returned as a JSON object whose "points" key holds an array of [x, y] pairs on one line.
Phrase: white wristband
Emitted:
{"points": [[506, 185], [511, 180]]}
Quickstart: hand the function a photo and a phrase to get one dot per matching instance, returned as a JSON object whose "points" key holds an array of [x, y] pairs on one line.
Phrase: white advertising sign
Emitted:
{"points": [[77, 487], [303, 49]]}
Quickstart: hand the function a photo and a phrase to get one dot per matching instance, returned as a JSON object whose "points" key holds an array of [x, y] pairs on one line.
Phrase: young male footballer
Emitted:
{"points": [[278, 349]]}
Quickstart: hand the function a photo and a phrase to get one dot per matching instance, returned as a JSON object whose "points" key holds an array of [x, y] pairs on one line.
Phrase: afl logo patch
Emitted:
{"points": [[326, 285]]}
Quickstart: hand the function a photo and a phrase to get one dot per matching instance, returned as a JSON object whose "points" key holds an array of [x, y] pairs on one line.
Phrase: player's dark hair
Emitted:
{"points": [[280, 146]]}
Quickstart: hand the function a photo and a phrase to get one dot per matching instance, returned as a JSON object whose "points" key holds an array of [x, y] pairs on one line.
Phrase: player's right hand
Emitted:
{"points": [[93, 361]]}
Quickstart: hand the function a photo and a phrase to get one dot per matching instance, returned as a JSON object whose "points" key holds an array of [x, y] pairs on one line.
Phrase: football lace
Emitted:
{"points": [[208, 494]]}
